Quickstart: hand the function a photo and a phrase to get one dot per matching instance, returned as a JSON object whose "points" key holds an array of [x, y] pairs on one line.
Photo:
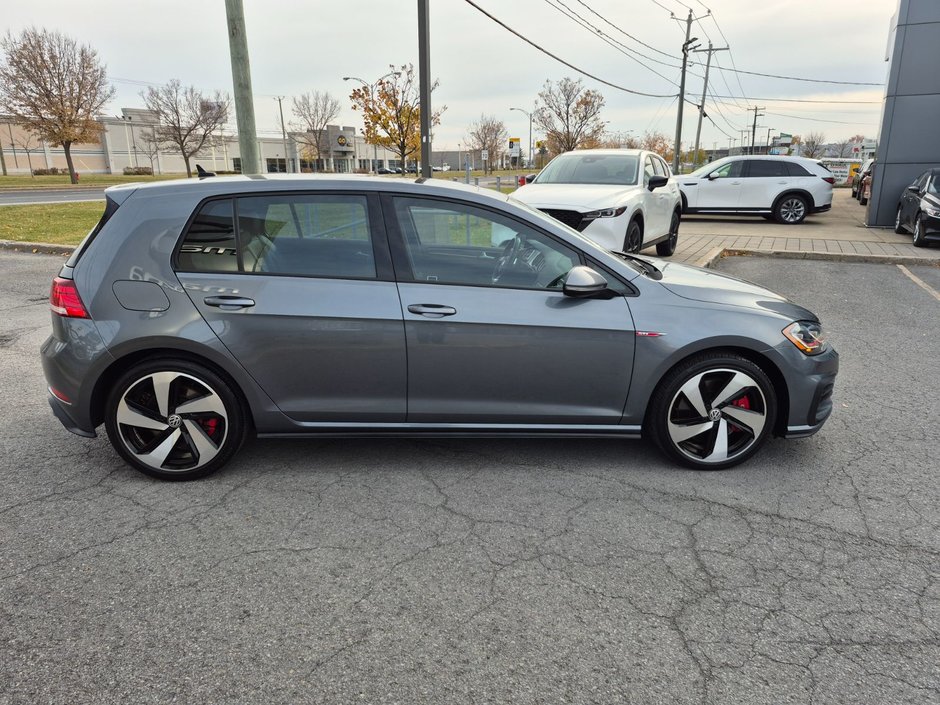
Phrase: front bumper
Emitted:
{"points": [[810, 386]]}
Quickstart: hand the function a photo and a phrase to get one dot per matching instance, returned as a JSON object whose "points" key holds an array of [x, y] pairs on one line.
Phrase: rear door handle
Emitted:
{"points": [[229, 303], [432, 310]]}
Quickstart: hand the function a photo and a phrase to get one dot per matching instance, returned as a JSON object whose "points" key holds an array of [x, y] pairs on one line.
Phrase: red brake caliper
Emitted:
{"points": [[741, 403]]}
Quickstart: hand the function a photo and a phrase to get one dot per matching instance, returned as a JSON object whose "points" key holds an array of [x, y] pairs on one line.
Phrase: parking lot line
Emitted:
{"points": [[920, 282]]}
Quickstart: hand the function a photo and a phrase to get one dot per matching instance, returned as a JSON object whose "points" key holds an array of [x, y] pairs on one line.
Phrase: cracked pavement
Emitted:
{"points": [[509, 571]]}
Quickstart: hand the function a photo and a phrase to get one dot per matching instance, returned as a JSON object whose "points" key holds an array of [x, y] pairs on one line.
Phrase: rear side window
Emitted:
{"points": [[321, 235], [765, 167], [210, 244], [796, 170]]}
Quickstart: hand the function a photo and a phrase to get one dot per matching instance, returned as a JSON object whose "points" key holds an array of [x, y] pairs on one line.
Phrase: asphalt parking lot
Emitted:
{"points": [[489, 571]]}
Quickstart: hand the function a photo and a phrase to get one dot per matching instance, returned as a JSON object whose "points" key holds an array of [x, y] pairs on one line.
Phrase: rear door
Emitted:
{"points": [[762, 180], [299, 287]]}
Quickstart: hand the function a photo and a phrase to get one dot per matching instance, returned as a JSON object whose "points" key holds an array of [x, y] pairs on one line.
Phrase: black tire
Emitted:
{"points": [[854, 192], [920, 239], [671, 414], [633, 241], [192, 443], [898, 225], [862, 201], [668, 246], [791, 209]]}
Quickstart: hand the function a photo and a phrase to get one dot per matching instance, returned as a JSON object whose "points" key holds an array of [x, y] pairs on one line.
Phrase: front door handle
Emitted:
{"points": [[432, 310], [229, 303]]}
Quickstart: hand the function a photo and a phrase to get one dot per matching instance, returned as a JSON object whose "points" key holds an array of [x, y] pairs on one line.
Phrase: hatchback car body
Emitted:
{"points": [[198, 312], [919, 209], [784, 188], [619, 198]]}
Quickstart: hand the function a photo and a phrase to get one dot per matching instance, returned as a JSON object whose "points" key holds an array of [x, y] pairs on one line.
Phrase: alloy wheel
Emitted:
{"points": [[793, 210], [172, 421], [717, 415]]}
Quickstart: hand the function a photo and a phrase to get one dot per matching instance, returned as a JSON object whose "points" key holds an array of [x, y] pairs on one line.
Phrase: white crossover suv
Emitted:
{"points": [[622, 199], [785, 189]]}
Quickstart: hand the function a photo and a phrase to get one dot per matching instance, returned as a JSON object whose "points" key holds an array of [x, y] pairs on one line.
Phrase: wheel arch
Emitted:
{"points": [[765, 363], [121, 364], [810, 201]]}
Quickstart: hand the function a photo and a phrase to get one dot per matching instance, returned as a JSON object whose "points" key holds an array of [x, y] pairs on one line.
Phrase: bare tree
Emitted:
{"points": [[25, 140], [616, 140], [811, 145], [53, 86], [150, 145], [842, 148], [487, 133], [187, 118], [314, 111], [569, 115]]}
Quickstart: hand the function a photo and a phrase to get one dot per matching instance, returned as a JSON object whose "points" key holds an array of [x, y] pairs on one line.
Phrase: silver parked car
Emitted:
{"points": [[198, 312]]}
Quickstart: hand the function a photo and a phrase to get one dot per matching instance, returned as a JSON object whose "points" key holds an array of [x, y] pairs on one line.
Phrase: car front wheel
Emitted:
{"points": [[791, 210], [633, 242], [919, 239], [898, 226], [713, 411], [668, 246], [174, 419]]}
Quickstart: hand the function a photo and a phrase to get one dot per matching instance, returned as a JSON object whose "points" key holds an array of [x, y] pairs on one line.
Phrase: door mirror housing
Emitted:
{"points": [[912, 188], [711, 177], [657, 182], [584, 282], [529, 178]]}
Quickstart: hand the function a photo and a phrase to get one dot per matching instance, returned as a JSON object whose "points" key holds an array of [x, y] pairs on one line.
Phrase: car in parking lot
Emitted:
{"points": [[786, 189], [198, 312], [619, 198], [863, 171], [919, 209]]}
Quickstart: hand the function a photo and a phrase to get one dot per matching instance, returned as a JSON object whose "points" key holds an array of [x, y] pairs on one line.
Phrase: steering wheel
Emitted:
{"points": [[509, 258]]}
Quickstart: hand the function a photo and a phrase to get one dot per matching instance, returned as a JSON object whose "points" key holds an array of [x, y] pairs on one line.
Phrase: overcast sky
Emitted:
{"points": [[303, 45]]}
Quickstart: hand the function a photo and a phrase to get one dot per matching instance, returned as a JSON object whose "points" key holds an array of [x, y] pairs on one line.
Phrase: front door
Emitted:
{"points": [[491, 337], [721, 190], [298, 288]]}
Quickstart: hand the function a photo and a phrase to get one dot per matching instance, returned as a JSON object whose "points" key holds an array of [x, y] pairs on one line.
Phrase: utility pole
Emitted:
{"points": [[754, 126], [701, 108], [686, 48], [283, 133], [768, 138], [241, 83], [424, 85]]}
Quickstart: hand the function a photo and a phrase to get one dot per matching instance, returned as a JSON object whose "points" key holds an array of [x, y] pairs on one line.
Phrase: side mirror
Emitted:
{"points": [[712, 176], [912, 188], [657, 182], [529, 178], [583, 282]]}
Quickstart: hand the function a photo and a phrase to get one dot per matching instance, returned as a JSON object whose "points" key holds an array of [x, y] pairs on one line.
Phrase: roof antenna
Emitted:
{"points": [[202, 173]]}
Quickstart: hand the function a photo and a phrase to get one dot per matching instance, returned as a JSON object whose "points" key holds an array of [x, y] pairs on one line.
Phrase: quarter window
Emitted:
{"points": [[730, 170], [451, 243], [209, 245], [767, 168]]}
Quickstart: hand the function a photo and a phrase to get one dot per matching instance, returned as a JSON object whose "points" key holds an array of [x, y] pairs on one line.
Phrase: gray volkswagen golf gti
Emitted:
{"points": [[199, 312]]}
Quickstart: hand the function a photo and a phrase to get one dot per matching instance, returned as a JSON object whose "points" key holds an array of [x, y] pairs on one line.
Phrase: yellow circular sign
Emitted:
{"points": [[341, 140]]}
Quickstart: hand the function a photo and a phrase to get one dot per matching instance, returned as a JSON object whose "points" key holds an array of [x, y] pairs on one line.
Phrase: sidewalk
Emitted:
{"points": [[838, 234]]}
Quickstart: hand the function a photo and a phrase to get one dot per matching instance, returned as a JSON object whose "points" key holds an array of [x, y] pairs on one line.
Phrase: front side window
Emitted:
{"points": [[209, 245], [648, 170], [730, 170], [322, 235], [452, 243], [933, 186]]}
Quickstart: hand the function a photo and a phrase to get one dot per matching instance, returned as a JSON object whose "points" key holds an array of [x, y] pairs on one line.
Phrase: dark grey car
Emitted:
{"points": [[198, 312]]}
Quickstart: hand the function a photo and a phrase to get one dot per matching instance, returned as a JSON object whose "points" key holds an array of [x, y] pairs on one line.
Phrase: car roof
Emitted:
{"points": [[608, 151], [223, 185]]}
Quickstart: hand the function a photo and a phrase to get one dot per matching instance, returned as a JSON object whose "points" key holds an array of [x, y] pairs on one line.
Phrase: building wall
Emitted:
{"points": [[909, 142]]}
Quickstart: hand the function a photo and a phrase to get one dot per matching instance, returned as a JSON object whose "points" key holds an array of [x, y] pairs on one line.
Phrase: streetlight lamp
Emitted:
{"points": [[371, 87], [529, 115]]}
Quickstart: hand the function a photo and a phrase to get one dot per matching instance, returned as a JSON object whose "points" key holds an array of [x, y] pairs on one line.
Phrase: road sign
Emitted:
{"points": [[485, 154]]}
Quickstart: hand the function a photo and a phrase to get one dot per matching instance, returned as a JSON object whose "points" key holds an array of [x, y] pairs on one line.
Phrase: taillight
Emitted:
{"points": [[64, 299], [829, 179]]}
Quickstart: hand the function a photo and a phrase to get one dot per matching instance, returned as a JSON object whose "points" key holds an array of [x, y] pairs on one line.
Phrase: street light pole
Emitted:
{"points": [[529, 153], [283, 133]]}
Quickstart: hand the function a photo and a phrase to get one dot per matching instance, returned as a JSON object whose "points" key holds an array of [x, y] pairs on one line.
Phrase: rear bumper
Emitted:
{"points": [[823, 208], [60, 411]]}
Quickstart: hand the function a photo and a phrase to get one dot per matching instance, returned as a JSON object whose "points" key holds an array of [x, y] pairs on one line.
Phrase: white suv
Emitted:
{"points": [[622, 199], [784, 188]]}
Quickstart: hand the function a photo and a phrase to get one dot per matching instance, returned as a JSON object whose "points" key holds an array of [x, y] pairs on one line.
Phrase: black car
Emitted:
{"points": [[385, 170], [863, 171], [919, 209]]}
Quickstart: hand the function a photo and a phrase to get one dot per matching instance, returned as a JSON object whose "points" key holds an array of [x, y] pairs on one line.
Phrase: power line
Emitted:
{"points": [[807, 80], [808, 100], [594, 30], [562, 61], [627, 34], [835, 122]]}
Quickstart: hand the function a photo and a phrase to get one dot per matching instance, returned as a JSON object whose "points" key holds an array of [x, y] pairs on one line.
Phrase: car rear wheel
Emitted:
{"points": [[668, 247], [791, 210], [713, 411], [919, 239], [898, 226], [174, 419], [633, 242]]}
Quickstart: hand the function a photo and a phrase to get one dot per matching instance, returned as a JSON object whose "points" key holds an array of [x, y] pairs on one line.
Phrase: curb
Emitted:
{"points": [[41, 248], [713, 256]]}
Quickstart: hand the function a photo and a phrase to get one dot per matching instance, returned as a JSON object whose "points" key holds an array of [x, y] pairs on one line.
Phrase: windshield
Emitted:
{"points": [[618, 169], [933, 185]]}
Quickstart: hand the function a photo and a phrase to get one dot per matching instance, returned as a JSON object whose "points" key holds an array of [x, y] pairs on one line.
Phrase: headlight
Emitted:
{"points": [[604, 213], [932, 212], [807, 336]]}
